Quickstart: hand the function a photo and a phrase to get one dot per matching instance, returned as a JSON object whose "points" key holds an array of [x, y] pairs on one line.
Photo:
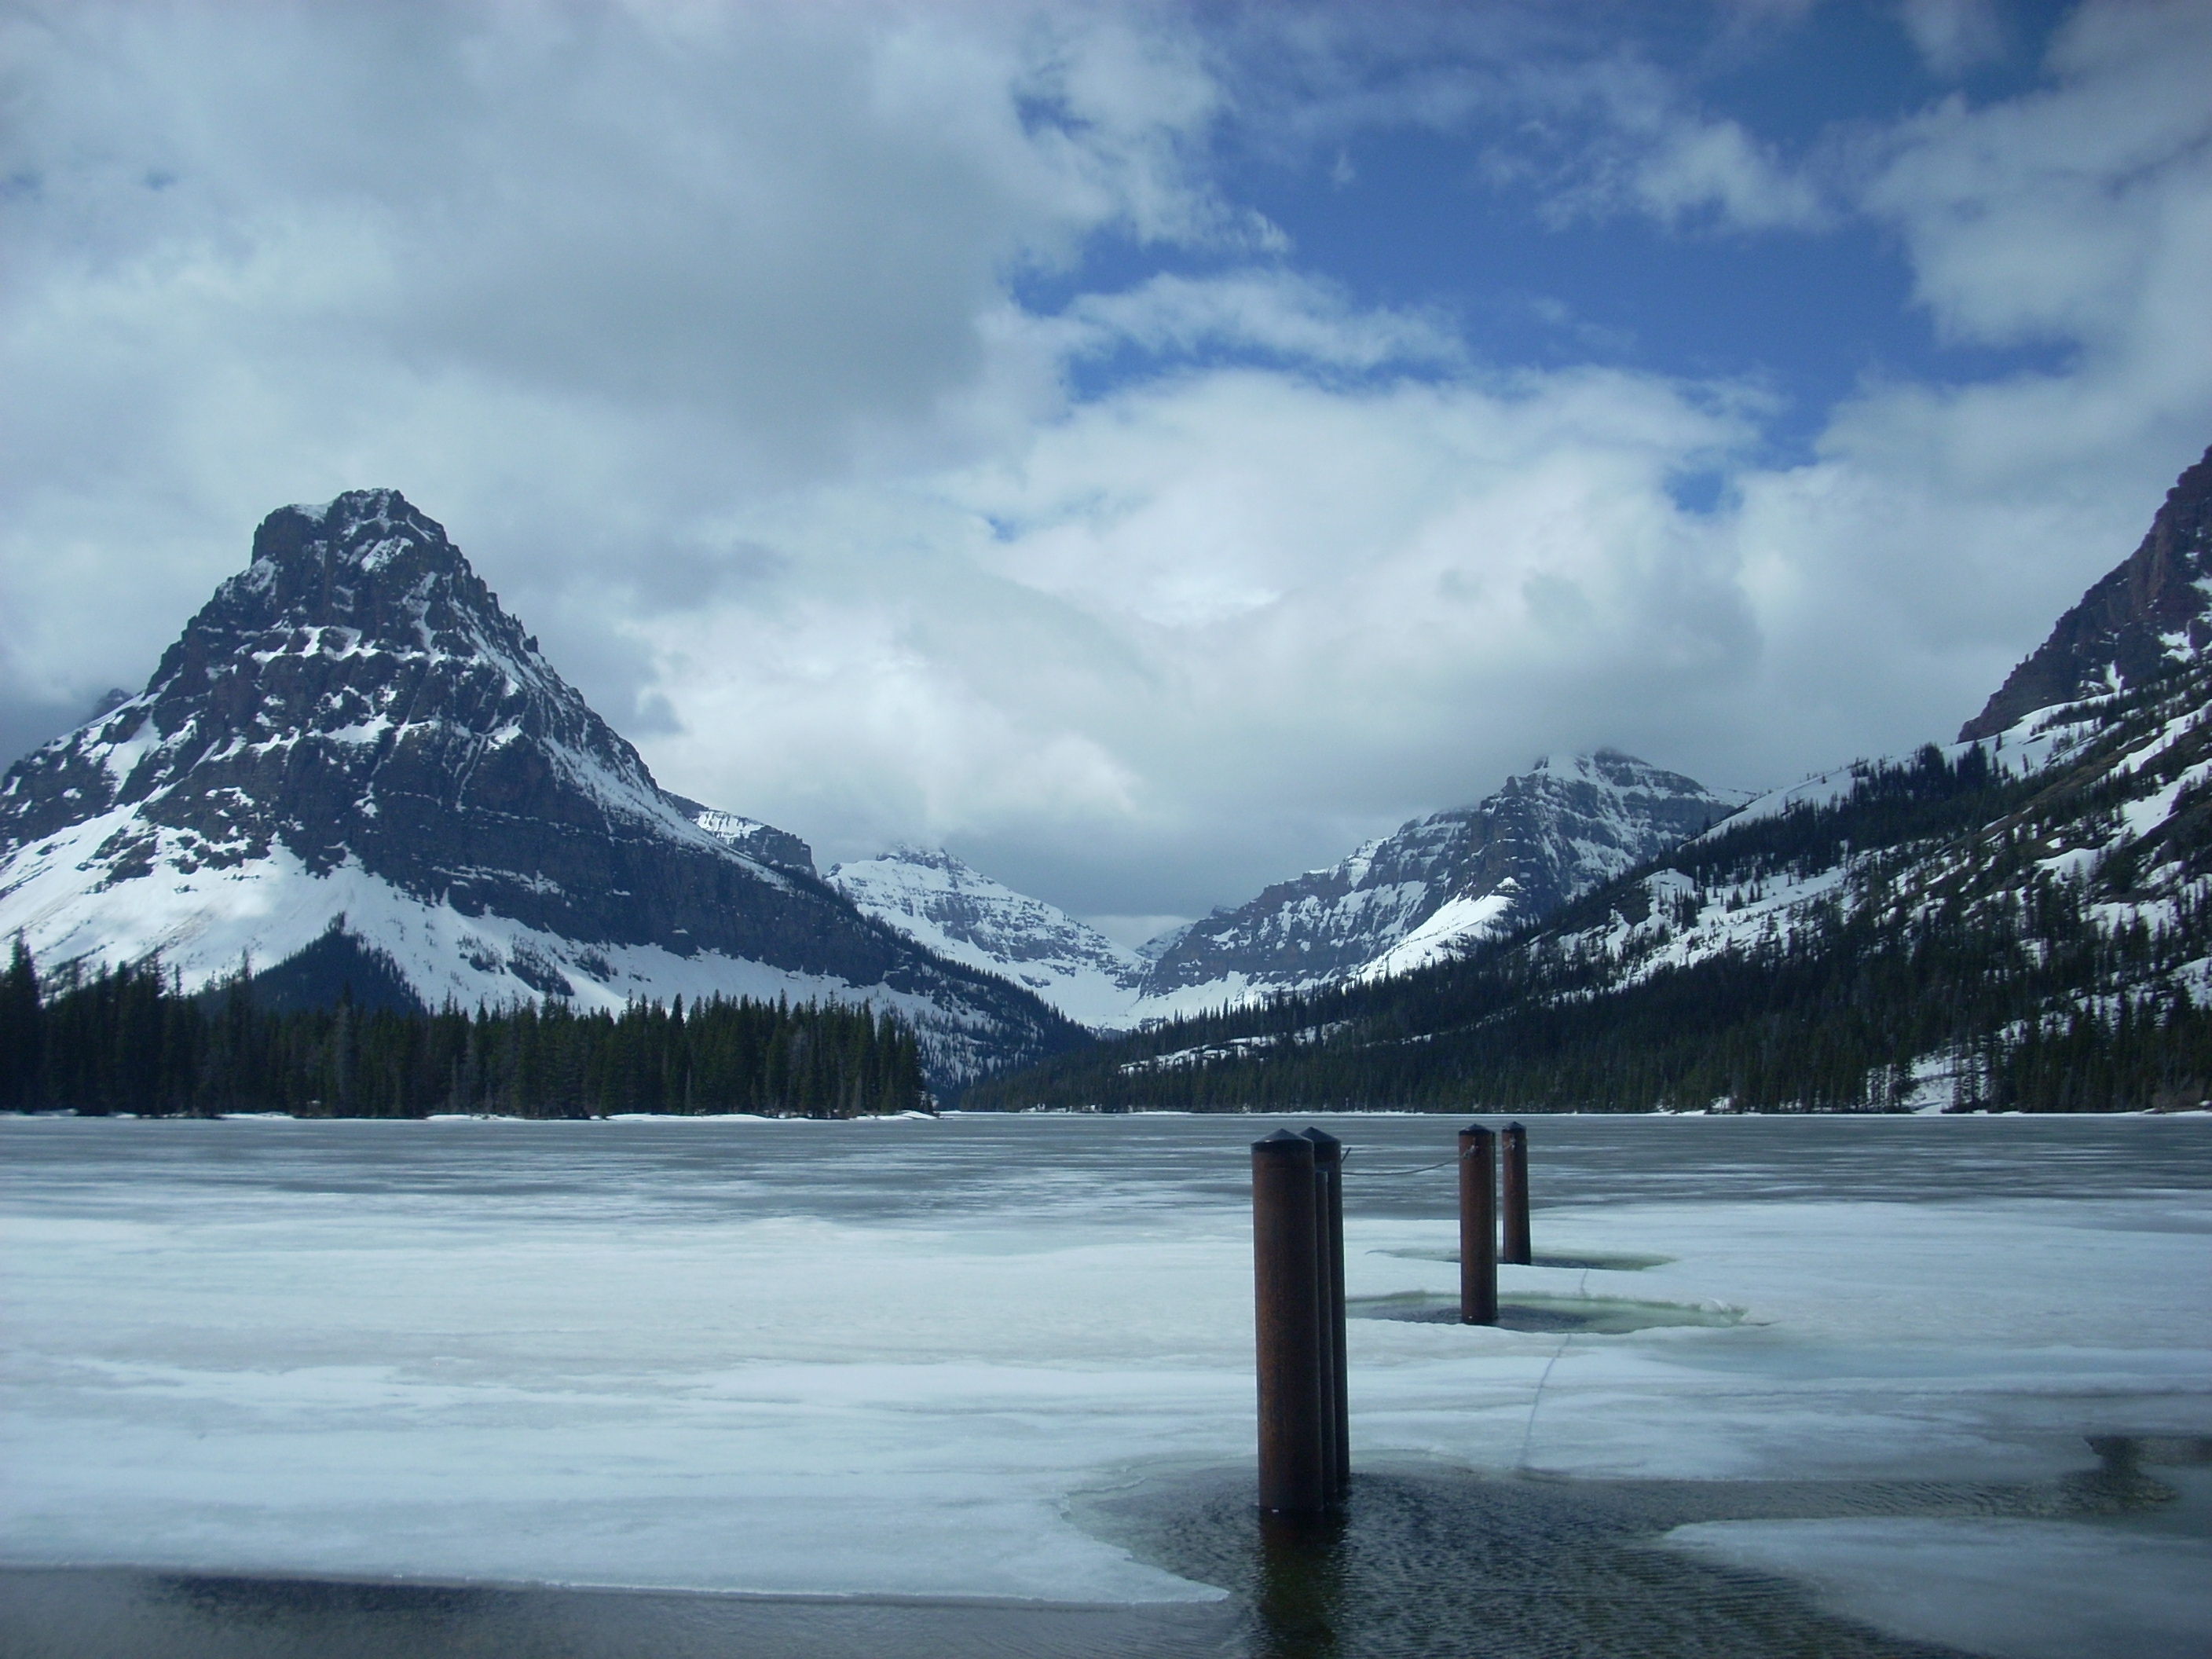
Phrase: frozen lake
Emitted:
{"points": [[1008, 1361]]}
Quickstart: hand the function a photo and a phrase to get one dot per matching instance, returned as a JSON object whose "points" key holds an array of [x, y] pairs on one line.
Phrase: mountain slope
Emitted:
{"points": [[1418, 896], [1438, 883], [352, 730], [935, 899], [2020, 921]]}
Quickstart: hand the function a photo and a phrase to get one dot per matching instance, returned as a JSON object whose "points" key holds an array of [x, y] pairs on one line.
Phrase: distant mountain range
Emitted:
{"points": [[2020, 919], [1438, 883], [934, 899], [355, 769], [354, 752], [1432, 888]]}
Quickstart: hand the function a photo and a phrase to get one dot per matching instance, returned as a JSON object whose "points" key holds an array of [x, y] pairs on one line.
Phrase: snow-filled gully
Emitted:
{"points": [[983, 1385]]}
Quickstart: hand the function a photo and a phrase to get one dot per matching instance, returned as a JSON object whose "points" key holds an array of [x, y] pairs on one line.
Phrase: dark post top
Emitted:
{"points": [[1328, 1149], [1284, 1145]]}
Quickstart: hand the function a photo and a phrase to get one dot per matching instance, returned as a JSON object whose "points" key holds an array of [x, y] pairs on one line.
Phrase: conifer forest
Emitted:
{"points": [[123, 1041]]}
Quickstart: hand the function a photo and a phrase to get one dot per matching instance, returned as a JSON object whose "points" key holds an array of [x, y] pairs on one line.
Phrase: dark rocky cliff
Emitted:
{"points": [[2150, 611]]}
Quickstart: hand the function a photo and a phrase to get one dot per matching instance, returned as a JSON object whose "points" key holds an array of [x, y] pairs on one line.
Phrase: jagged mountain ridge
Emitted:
{"points": [[1432, 887], [2149, 613], [1441, 882], [934, 898], [353, 728]]}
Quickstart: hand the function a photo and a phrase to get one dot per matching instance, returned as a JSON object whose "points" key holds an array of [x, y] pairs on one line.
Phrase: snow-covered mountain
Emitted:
{"points": [[1400, 901], [1438, 883], [2101, 742], [932, 898], [353, 735]]}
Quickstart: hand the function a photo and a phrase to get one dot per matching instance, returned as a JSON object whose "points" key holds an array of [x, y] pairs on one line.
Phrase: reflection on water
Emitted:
{"points": [[1300, 1587], [1462, 1567]]}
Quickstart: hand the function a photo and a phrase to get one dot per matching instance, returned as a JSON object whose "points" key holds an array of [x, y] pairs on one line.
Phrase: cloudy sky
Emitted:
{"points": [[1146, 448]]}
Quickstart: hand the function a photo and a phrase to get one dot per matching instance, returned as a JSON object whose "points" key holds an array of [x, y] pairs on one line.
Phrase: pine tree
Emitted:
{"points": [[21, 1031]]}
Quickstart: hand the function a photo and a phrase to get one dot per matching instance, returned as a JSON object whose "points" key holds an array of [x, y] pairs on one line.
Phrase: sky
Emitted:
{"points": [[1146, 448]]}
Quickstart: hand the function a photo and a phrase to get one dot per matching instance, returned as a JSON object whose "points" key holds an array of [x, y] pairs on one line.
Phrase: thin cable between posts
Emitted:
{"points": [[1418, 1168]]}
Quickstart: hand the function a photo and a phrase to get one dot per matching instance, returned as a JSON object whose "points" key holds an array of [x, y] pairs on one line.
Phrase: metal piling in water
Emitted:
{"points": [[1328, 1163], [1478, 1226], [1297, 1270], [1514, 1194], [1287, 1323]]}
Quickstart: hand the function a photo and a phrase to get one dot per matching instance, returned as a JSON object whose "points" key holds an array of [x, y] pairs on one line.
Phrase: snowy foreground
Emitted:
{"points": [[883, 1357]]}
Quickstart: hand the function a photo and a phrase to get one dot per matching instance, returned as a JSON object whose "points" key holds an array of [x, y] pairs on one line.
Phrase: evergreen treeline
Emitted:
{"points": [[2005, 925], [122, 1040]]}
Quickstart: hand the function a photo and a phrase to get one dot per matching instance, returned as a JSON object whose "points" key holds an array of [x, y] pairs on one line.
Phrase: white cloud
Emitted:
{"points": [[1953, 35], [1227, 595], [2067, 214], [573, 274], [2079, 215], [698, 327], [1695, 166], [1273, 311]]}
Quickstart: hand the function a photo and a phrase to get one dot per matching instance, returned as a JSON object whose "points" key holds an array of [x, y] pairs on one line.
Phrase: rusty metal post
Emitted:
{"points": [[1325, 1354], [1329, 1158], [1478, 1226], [1288, 1325], [1515, 1196]]}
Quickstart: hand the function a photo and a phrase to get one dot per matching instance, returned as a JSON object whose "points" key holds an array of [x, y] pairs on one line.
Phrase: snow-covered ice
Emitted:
{"points": [[884, 1356], [2033, 1589]]}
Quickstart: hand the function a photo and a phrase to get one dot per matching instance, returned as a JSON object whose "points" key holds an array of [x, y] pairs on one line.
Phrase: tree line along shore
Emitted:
{"points": [[123, 1040]]}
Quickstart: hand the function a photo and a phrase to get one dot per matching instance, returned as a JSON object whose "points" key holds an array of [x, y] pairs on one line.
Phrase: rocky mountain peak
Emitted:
{"points": [[357, 665], [353, 734], [1440, 882], [2150, 611], [369, 563]]}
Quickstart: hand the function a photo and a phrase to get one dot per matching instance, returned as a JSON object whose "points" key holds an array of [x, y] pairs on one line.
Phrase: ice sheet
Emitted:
{"points": [[2026, 1589], [779, 1357]]}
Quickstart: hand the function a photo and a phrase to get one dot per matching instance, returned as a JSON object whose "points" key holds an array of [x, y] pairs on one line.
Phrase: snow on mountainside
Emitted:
{"points": [[1397, 902], [2106, 722], [2025, 921], [1438, 883], [1673, 918], [932, 898], [353, 732]]}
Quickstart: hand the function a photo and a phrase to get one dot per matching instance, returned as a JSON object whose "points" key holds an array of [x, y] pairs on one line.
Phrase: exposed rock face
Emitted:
{"points": [[2152, 611], [1414, 895], [353, 726], [751, 837], [935, 899]]}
